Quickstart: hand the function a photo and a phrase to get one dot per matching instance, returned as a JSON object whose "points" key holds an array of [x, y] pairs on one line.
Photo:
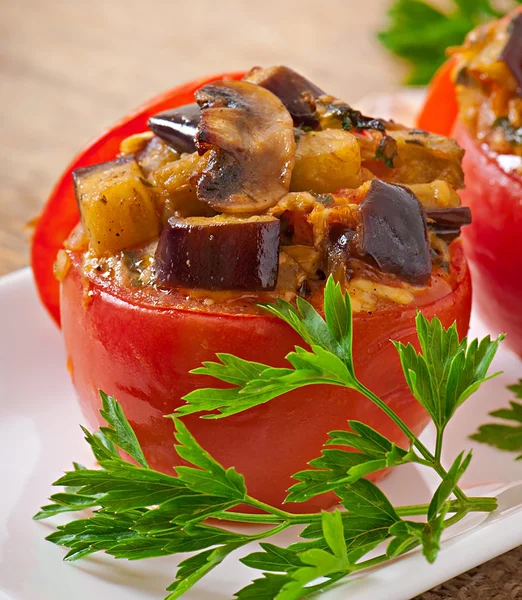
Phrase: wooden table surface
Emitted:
{"points": [[69, 68]]}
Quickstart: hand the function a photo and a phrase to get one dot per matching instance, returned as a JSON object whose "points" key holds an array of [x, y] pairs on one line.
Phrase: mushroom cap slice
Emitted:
{"points": [[249, 135], [296, 92]]}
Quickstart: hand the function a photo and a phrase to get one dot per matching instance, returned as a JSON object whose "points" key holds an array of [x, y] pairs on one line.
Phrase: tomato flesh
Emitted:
{"points": [[143, 354]]}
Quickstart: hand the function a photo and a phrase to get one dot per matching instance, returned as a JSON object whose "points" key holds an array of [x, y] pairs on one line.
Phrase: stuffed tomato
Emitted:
{"points": [[481, 86], [258, 190]]}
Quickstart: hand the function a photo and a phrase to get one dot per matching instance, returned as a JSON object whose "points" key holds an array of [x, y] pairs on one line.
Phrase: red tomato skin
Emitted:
{"points": [[493, 242], [143, 355], [60, 214], [440, 108]]}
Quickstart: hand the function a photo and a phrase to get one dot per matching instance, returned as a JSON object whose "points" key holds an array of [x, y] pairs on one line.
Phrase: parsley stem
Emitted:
{"points": [[438, 444], [398, 421], [426, 454], [475, 504], [226, 515]]}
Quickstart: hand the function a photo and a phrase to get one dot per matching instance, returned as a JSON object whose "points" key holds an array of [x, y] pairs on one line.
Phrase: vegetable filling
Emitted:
{"points": [[262, 189]]}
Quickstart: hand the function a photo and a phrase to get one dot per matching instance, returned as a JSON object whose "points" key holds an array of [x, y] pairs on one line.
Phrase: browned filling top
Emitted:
{"points": [[488, 78]]}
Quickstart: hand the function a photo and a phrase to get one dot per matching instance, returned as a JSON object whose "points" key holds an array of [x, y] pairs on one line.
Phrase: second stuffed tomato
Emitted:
{"points": [[480, 92], [260, 190]]}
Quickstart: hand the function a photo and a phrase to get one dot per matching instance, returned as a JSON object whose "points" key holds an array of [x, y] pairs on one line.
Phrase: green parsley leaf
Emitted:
{"points": [[448, 485], [210, 477], [65, 502], [231, 369], [119, 432], [361, 535], [440, 30], [273, 558], [447, 372], [338, 468], [264, 588], [504, 437], [191, 570], [333, 334], [320, 563], [364, 498]]}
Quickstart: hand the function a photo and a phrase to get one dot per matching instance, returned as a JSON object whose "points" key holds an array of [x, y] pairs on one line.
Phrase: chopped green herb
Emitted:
{"points": [[387, 151]]}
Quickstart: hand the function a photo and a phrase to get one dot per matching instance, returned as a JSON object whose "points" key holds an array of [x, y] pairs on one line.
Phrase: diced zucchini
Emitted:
{"points": [[326, 161], [116, 206]]}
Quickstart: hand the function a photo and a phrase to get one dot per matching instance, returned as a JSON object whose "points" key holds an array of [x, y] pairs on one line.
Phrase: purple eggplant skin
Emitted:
{"points": [[295, 92], [219, 254], [447, 222], [512, 52], [83, 174], [394, 232], [177, 127]]}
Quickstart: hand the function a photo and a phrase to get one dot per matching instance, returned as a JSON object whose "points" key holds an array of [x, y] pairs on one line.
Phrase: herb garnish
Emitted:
{"points": [[505, 437], [420, 33], [140, 513], [387, 151]]}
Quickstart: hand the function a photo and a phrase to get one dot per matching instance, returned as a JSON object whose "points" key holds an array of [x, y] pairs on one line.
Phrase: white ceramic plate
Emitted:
{"points": [[39, 437]]}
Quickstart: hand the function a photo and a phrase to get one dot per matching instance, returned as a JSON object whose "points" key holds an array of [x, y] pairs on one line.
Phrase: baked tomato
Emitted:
{"points": [[142, 354], [138, 315], [483, 75], [493, 242]]}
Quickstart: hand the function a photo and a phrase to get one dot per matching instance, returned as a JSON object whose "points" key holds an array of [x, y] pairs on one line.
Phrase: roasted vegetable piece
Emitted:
{"points": [[219, 253], [250, 135], [177, 127], [116, 207], [326, 161], [425, 158], [295, 92], [436, 195], [394, 232], [512, 53], [447, 222], [155, 155], [340, 241]]}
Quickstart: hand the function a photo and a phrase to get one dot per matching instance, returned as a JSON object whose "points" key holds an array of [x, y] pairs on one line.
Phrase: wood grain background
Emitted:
{"points": [[69, 68]]}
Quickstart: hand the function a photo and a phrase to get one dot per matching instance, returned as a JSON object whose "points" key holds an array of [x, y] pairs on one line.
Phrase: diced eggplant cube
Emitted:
{"points": [[177, 127], [394, 232], [219, 253], [116, 207]]}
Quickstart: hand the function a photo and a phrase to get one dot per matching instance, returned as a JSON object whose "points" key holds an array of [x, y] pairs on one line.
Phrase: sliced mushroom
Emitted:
{"points": [[295, 92], [250, 136], [394, 232], [177, 127], [219, 253]]}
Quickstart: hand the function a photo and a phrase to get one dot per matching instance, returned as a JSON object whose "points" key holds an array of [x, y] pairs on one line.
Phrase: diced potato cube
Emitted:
{"points": [[326, 161], [116, 206]]}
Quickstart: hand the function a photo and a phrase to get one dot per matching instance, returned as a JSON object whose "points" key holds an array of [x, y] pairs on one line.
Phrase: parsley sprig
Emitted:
{"points": [[502, 436], [420, 33], [138, 513]]}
